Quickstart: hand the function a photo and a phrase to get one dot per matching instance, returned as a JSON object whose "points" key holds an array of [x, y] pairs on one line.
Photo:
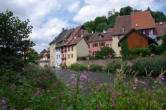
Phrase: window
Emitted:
{"points": [[95, 45], [107, 45], [68, 48], [123, 29], [71, 55], [72, 48], [110, 45], [68, 56], [102, 44]]}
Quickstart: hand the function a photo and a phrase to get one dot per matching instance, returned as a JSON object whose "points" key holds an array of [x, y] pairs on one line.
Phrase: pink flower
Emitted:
{"points": [[37, 92], [62, 108], [109, 89], [2, 102], [134, 87], [56, 105], [162, 77], [89, 80], [94, 92], [113, 96], [55, 84], [113, 104], [119, 93], [73, 76], [83, 77], [48, 91], [129, 64], [98, 107]]}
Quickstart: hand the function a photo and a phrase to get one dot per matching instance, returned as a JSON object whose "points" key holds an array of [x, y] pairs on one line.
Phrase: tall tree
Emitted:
{"points": [[126, 10], [14, 41]]}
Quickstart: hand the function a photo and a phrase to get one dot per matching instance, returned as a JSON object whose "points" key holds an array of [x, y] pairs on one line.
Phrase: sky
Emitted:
{"points": [[48, 17]]}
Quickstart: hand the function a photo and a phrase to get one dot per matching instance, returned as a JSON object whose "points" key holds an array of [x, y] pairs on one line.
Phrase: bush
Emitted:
{"points": [[112, 67], [140, 52], [105, 53], [82, 58], [95, 68], [77, 67], [144, 66]]}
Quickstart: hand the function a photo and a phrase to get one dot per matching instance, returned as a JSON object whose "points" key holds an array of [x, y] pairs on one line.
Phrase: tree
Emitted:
{"points": [[14, 40], [32, 56], [126, 10], [105, 52], [102, 26]]}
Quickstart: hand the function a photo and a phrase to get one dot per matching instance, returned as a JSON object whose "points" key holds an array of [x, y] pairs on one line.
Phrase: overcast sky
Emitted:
{"points": [[48, 17]]}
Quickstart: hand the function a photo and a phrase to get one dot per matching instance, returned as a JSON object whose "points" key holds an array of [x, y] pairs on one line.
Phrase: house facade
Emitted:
{"points": [[160, 31], [98, 41], [140, 21], [136, 39], [44, 58]]}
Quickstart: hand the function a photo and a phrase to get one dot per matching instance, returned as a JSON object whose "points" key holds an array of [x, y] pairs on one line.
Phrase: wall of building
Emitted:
{"points": [[136, 40], [115, 47], [58, 57], [98, 48], [82, 48], [52, 55], [71, 55]]}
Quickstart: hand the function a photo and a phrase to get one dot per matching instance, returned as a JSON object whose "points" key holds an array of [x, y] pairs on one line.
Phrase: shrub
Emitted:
{"points": [[82, 58], [143, 66], [140, 52], [95, 68], [78, 67], [112, 67], [105, 52]]}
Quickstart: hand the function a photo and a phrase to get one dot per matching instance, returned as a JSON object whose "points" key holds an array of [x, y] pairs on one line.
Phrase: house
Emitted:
{"points": [[59, 47], [75, 46], [98, 41], [141, 21], [161, 31], [136, 39], [44, 58], [52, 53]]}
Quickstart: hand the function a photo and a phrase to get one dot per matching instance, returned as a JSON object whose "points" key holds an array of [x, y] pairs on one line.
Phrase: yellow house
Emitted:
{"points": [[76, 48], [52, 53]]}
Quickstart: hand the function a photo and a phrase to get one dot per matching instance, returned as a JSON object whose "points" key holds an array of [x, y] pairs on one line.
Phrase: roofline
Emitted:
{"points": [[100, 40]]}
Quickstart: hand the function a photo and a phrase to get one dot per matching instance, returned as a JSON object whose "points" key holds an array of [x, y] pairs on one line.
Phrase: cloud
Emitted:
{"points": [[94, 8], [43, 35], [74, 6]]}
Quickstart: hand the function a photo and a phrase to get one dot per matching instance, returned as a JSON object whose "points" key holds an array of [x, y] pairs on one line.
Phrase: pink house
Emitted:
{"points": [[99, 40]]}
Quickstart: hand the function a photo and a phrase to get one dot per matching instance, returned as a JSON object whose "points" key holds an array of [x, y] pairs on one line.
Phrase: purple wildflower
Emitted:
{"points": [[134, 87], [73, 76], [129, 64], [98, 107], [37, 92], [4, 107], [94, 92], [162, 77], [119, 93], [113, 96], [89, 80], [83, 77], [2, 102], [62, 108], [56, 105], [48, 91], [55, 84], [109, 89], [113, 104]]}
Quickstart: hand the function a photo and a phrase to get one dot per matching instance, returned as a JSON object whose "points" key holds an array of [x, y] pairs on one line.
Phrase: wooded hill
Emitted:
{"points": [[103, 23]]}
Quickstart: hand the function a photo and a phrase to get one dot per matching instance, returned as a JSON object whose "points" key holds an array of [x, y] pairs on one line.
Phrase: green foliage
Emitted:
{"points": [[77, 67], [95, 68], [104, 52], [83, 58], [125, 50], [144, 66], [14, 35], [140, 52], [158, 16], [32, 56], [126, 10], [164, 42], [112, 67]]}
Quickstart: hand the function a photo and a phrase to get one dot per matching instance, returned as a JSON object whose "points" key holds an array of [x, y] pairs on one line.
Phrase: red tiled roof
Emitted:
{"points": [[110, 30], [122, 25], [161, 29], [142, 20], [100, 37]]}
